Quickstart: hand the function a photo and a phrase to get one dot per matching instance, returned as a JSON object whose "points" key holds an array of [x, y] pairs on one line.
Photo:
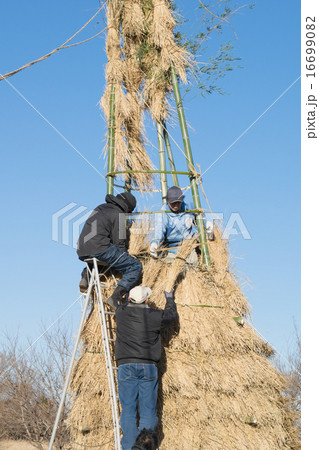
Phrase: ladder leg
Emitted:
{"points": [[108, 359], [68, 376]]}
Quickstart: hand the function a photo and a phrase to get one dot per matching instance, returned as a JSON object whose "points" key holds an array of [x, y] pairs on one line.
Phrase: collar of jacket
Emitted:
{"points": [[138, 305], [112, 200]]}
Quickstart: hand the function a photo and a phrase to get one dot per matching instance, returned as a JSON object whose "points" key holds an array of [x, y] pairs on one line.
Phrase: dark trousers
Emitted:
{"points": [[129, 266]]}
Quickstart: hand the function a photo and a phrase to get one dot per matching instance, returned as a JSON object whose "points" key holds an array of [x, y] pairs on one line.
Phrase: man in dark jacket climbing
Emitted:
{"points": [[104, 237], [137, 351]]}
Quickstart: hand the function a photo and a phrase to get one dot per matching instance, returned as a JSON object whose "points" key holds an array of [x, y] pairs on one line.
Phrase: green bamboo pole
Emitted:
{"points": [[170, 155], [110, 159], [115, 172], [162, 162], [190, 164]]}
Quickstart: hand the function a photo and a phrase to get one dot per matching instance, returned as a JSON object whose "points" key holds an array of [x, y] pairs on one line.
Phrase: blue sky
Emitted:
{"points": [[258, 177]]}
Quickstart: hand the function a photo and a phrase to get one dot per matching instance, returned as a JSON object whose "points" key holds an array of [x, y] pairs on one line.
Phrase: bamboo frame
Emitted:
{"points": [[162, 160], [190, 165], [170, 154], [110, 158], [179, 172]]}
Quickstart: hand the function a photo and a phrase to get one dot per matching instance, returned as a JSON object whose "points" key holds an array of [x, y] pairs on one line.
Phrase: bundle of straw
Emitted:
{"points": [[163, 52], [123, 73]]}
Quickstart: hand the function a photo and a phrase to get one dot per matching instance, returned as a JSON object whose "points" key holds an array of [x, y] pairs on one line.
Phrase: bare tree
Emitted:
{"points": [[30, 388], [291, 370]]}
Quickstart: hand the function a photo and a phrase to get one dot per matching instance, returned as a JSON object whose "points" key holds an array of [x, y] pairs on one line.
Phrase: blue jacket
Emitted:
{"points": [[170, 229]]}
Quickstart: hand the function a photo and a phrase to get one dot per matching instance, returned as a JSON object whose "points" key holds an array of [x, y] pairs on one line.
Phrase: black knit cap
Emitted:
{"points": [[129, 199]]}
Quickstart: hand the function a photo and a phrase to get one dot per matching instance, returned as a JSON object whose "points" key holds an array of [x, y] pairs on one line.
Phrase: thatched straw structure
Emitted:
{"points": [[218, 389], [140, 47]]}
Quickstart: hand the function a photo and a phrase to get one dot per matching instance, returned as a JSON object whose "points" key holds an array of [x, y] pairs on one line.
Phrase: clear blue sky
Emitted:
{"points": [[258, 177]]}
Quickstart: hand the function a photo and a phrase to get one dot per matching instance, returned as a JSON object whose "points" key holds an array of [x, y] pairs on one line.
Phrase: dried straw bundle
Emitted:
{"points": [[162, 37], [124, 74], [163, 51], [139, 237], [133, 23], [217, 389], [133, 30]]}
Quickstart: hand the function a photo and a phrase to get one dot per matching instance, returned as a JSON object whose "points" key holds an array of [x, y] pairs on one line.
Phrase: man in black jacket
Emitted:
{"points": [[137, 351], [104, 237]]}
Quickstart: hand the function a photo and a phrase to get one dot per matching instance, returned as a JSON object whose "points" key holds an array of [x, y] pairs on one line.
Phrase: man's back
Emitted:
{"points": [[137, 351], [138, 331]]}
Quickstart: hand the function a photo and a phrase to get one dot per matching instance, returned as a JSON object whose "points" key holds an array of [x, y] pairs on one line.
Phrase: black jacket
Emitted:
{"points": [[138, 331], [105, 226]]}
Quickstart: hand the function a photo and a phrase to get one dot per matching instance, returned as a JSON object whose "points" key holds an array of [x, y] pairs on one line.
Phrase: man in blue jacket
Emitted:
{"points": [[173, 227]]}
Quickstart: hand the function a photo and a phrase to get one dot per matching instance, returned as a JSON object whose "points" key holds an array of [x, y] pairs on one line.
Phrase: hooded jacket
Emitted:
{"points": [[106, 226]]}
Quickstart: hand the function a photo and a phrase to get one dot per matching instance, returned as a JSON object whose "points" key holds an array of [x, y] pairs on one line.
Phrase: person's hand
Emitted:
{"points": [[210, 230], [153, 249], [169, 295]]}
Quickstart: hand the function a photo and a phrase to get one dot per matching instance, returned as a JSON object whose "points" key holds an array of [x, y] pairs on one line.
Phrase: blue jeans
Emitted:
{"points": [[137, 385], [129, 266]]}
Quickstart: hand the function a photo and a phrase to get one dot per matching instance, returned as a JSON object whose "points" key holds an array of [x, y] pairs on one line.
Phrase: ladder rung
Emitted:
{"points": [[111, 313], [115, 368], [116, 396], [112, 340]]}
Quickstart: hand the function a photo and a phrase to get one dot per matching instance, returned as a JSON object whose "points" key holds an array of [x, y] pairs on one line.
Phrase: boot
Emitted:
{"points": [[117, 297], [84, 284]]}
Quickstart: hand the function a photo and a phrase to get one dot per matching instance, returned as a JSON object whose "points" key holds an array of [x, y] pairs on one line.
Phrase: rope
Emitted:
{"points": [[199, 306], [200, 182], [9, 74]]}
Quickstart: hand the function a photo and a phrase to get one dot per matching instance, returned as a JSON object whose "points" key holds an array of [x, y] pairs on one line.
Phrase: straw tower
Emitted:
{"points": [[217, 386]]}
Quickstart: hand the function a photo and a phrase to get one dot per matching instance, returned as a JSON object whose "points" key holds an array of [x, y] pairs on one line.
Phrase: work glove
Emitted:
{"points": [[210, 230], [188, 222], [153, 249], [169, 295]]}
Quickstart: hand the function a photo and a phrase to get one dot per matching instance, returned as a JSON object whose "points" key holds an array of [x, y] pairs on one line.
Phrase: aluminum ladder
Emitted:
{"points": [[94, 286]]}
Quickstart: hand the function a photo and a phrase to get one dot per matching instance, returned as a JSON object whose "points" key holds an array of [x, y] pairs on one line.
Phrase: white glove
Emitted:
{"points": [[188, 222], [153, 249], [210, 230]]}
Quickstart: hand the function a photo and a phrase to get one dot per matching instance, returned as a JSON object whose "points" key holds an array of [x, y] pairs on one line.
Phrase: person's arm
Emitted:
{"points": [[119, 231], [170, 312], [160, 226]]}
